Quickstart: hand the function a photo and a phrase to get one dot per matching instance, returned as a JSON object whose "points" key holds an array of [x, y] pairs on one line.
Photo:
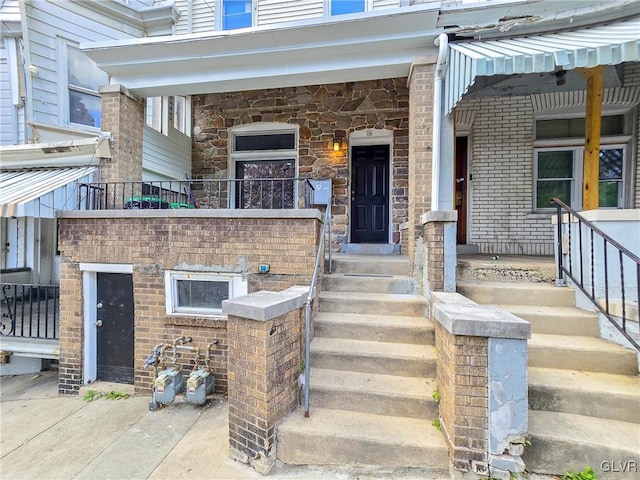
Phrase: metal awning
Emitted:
{"points": [[610, 44], [40, 192]]}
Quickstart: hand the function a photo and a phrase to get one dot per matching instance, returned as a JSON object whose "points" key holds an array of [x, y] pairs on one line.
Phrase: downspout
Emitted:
{"points": [[443, 42]]}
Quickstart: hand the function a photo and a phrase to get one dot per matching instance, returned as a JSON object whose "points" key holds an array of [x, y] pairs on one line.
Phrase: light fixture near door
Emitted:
{"points": [[339, 141]]}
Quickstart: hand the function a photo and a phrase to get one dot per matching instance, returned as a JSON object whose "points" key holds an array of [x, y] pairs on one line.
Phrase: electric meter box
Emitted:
{"points": [[321, 192]]}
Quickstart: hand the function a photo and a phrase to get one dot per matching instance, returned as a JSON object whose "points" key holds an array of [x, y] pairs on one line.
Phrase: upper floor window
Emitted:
{"points": [[165, 112], [341, 7], [83, 80], [237, 14]]}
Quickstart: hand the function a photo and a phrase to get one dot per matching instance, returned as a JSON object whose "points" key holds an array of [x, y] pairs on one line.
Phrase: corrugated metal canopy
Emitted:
{"points": [[589, 47], [19, 188]]}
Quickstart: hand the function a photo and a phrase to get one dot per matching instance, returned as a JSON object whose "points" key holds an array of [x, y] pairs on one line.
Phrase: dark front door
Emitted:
{"points": [[461, 188], [115, 327], [370, 194]]}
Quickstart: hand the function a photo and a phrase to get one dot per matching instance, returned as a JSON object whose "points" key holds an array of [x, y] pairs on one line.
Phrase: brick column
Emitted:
{"points": [[439, 251], [265, 335], [123, 116], [71, 328], [420, 149], [482, 382]]}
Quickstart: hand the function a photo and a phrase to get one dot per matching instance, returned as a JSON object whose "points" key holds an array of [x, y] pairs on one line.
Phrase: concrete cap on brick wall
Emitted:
{"points": [[480, 321], [266, 305], [439, 216]]}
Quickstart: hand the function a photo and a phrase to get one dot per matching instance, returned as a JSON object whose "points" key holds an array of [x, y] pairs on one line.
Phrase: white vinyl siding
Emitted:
{"points": [[200, 19], [278, 11], [166, 155], [382, 4], [49, 24]]}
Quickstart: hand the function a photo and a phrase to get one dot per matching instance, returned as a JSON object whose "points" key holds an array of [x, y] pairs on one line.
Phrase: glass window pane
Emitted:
{"points": [[608, 194], [555, 164], [272, 141], [179, 114], [83, 72], [236, 14], [611, 164], [154, 113], [254, 193], [575, 127], [548, 189], [201, 293], [85, 109], [340, 7]]}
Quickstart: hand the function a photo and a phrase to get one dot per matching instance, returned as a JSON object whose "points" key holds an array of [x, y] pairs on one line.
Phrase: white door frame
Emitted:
{"points": [[90, 297]]}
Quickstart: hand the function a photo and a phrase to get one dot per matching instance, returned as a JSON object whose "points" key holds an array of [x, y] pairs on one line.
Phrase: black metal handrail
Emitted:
{"points": [[263, 193], [622, 254], [30, 311]]}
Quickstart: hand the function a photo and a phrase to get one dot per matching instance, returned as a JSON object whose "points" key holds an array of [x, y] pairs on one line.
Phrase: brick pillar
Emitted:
{"points": [[439, 251], [265, 335], [71, 328], [420, 149], [123, 116], [482, 383]]}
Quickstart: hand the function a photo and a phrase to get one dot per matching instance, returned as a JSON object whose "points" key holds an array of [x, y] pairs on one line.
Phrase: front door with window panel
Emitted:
{"points": [[115, 325], [370, 194]]}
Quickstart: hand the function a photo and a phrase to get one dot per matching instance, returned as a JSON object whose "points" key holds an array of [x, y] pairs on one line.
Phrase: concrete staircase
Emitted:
{"points": [[584, 392], [372, 376]]}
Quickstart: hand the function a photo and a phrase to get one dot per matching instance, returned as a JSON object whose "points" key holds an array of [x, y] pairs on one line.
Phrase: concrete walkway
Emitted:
{"points": [[44, 436]]}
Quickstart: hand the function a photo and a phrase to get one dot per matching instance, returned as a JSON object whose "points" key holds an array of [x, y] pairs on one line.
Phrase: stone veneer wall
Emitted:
{"points": [[320, 111], [197, 241]]}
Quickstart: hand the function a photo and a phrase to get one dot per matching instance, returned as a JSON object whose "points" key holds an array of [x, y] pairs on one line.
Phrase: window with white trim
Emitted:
{"points": [[84, 78], [158, 111], [235, 14], [200, 293], [558, 167], [264, 161]]}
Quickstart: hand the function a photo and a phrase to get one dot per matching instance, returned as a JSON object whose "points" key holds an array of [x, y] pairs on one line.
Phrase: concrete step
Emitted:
{"points": [[556, 320], [370, 248], [581, 353], [506, 268], [390, 395], [361, 441], [373, 303], [603, 395], [380, 328], [373, 264], [562, 442], [373, 357], [367, 283], [504, 293]]}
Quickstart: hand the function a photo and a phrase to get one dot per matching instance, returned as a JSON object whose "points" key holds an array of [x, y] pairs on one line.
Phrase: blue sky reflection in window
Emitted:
{"points": [[236, 14], [340, 7]]}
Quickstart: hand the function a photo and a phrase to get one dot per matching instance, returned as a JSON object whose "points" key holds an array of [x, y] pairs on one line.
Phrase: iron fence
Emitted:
{"points": [[262, 193], [30, 311]]}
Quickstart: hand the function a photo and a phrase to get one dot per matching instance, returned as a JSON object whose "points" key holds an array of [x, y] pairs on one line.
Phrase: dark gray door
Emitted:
{"points": [[115, 327], [370, 194]]}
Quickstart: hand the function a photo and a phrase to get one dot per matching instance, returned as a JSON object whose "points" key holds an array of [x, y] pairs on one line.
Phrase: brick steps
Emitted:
{"points": [[372, 375]]}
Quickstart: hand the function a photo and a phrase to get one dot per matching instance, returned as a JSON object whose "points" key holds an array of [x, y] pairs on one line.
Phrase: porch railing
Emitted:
{"points": [[266, 193], [30, 311], [607, 273]]}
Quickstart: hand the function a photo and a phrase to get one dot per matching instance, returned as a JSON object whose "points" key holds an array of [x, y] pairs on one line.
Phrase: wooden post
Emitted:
{"points": [[591, 174]]}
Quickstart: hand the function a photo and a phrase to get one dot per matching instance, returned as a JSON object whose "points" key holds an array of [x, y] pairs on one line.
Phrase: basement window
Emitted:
{"points": [[200, 293]]}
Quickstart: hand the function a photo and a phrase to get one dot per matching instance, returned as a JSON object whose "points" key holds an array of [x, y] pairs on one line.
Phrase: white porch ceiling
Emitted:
{"points": [[378, 45], [610, 44]]}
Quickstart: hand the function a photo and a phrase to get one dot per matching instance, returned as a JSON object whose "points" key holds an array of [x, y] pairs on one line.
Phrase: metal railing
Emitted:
{"points": [[611, 273], [264, 193], [30, 311], [320, 259]]}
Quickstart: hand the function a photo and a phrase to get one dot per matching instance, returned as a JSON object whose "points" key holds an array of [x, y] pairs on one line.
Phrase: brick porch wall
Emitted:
{"points": [[319, 111], [152, 242]]}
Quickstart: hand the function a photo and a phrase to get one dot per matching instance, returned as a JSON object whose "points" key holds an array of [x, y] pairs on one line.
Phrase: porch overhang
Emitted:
{"points": [[346, 48], [609, 44]]}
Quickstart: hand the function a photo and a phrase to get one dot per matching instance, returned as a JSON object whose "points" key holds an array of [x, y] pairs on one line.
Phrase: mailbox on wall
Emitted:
{"points": [[321, 191]]}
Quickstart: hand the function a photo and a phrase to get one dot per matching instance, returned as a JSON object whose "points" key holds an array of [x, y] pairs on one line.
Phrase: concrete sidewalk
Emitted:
{"points": [[44, 436]]}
